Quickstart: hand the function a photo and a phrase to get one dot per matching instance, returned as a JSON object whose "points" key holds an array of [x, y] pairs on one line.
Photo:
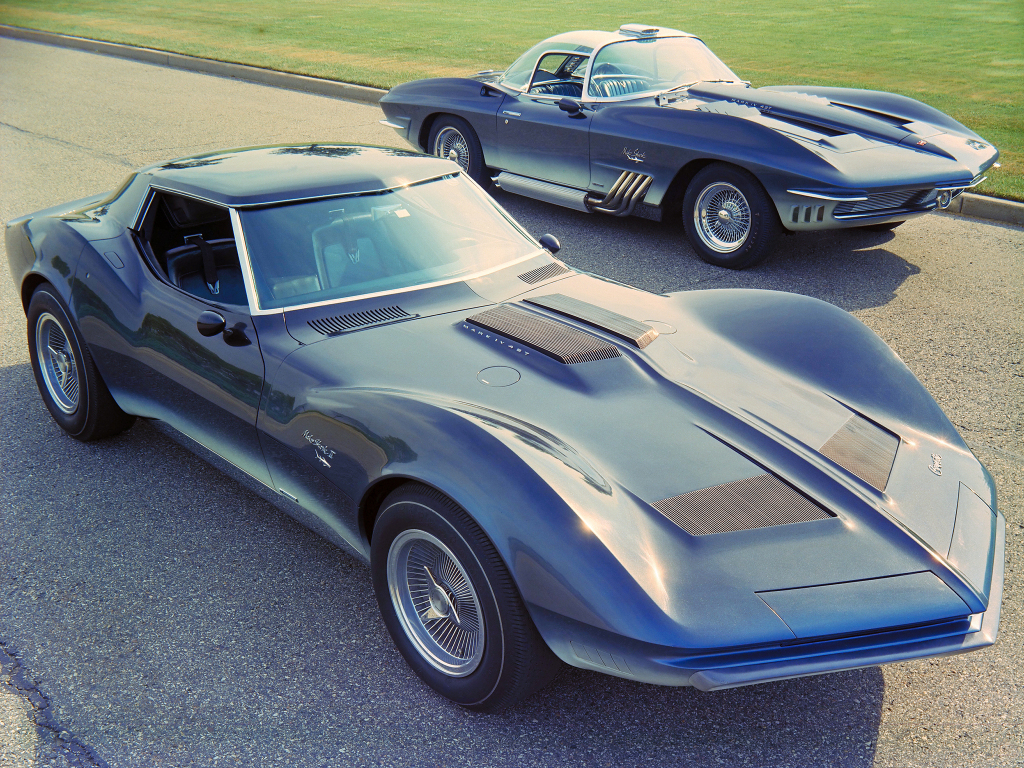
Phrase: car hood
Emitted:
{"points": [[843, 121]]}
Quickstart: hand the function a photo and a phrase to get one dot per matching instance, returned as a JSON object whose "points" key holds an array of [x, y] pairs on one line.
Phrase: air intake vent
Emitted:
{"points": [[884, 201], [331, 326], [540, 274], [557, 340], [636, 333], [758, 502], [865, 449]]}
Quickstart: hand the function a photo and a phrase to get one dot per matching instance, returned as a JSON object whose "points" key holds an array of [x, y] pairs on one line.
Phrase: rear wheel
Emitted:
{"points": [[450, 604], [67, 378], [729, 218], [454, 139]]}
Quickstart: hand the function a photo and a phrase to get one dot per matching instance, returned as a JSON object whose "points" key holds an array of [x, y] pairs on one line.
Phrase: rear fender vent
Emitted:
{"points": [[742, 505], [540, 274], [864, 449], [636, 333], [355, 321], [554, 339]]}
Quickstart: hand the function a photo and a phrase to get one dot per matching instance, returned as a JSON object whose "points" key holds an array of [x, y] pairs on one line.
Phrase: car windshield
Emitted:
{"points": [[518, 75], [320, 250], [654, 64]]}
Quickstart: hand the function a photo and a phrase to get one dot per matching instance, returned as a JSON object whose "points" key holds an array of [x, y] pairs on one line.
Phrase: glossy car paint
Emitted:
{"points": [[560, 464], [831, 142]]}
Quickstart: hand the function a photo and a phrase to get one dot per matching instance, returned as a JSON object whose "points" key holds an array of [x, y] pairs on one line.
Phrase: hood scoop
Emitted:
{"points": [[557, 340], [357, 321], [636, 333]]}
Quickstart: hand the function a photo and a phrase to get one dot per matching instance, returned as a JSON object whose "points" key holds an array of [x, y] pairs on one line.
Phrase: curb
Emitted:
{"points": [[317, 85], [989, 208], [967, 204]]}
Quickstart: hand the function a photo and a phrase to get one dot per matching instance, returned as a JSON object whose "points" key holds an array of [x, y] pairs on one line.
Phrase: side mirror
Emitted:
{"points": [[550, 244], [210, 324], [569, 105]]}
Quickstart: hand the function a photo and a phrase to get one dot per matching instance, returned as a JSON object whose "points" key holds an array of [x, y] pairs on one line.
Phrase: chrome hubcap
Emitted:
{"points": [[436, 603], [57, 363], [722, 217], [452, 145]]}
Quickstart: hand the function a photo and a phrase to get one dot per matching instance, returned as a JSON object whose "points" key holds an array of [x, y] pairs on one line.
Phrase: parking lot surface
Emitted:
{"points": [[153, 612]]}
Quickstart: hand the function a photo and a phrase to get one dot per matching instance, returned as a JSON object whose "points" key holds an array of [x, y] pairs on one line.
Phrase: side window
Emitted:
{"points": [[559, 74], [191, 244]]}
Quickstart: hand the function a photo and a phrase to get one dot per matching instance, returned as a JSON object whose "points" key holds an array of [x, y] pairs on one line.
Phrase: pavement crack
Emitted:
{"points": [[88, 150], [53, 737]]}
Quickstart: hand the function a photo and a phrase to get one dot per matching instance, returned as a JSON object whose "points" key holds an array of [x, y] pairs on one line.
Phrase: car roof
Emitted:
{"points": [[256, 176], [592, 38]]}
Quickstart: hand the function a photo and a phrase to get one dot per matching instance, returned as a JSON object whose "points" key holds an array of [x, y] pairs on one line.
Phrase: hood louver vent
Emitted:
{"points": [[540, 274], [557, 340], [864, 449], [742, 505], [636, 333], [354, 321]]}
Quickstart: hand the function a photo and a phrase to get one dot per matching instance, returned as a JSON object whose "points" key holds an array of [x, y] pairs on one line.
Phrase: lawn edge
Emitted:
{"points": [[968, 204]]}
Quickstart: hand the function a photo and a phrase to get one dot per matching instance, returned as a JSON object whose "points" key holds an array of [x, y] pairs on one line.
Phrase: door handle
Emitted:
{"points": [[511, 113]]}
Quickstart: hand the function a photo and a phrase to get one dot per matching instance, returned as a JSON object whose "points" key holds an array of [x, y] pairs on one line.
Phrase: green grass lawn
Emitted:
{"points": [[965, 58]]}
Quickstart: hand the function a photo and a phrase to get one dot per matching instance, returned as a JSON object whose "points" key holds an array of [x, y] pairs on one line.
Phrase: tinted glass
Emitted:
{"points": [[351, 246], [655, 64]]}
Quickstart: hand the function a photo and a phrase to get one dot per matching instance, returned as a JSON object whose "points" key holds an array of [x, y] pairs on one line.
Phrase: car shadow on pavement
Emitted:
{"points": [[169, 616], [850, 268]]}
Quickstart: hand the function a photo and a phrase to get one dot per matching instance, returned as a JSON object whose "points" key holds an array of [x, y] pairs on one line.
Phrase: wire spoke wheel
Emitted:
{"points": [[452, 145], [57, 363], [436, 603], [722, 217]]}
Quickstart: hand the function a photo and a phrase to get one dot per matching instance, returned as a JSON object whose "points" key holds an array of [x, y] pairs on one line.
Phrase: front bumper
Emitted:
{"points": [[587, 647]]}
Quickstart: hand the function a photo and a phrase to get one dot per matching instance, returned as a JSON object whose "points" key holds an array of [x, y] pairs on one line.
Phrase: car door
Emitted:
{"points": [[538, 138], [170, 344]]}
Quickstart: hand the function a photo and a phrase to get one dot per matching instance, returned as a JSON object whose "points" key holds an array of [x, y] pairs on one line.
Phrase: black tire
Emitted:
{"points": [[450, 134], [489, 655], [67, 378], [886, 227], [729, 218]]}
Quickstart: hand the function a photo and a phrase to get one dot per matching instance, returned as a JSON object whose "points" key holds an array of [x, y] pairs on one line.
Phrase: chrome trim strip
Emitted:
{"points": [[387, 123], [243, 260], [818, 196], [962, 187]]}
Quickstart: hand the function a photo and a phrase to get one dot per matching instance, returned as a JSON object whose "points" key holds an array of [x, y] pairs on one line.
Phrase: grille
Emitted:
{"points": [[330, 326], [565, 344], [636, 333], [864, 449], [757, 502], [540, 274], [883, 201]]}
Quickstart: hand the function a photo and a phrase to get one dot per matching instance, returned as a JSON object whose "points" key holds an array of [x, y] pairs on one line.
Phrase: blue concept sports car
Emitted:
{"points": [[708, 488], [649, 122]]}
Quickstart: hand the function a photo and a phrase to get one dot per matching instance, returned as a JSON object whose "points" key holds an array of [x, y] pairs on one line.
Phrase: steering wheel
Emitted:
{"points": [[607, 69]]}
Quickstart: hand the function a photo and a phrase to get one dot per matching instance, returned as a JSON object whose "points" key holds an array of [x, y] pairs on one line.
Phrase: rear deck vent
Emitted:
{"points": [[557, 340], [864, 449], [636, 333], [757, 502], [354, 321], [540, 274]]}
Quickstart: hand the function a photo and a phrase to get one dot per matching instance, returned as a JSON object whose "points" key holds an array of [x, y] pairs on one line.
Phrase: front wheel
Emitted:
{"points": [[67, 378], [454, 139], [450, 604], [729, 218]]}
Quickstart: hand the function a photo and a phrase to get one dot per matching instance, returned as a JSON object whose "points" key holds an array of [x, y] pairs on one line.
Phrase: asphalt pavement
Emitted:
{"points": [[153, 612]]}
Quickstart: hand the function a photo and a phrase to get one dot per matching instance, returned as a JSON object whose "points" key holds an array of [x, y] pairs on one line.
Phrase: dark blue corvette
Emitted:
{"points": [[711, 488], [649, 122]]}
